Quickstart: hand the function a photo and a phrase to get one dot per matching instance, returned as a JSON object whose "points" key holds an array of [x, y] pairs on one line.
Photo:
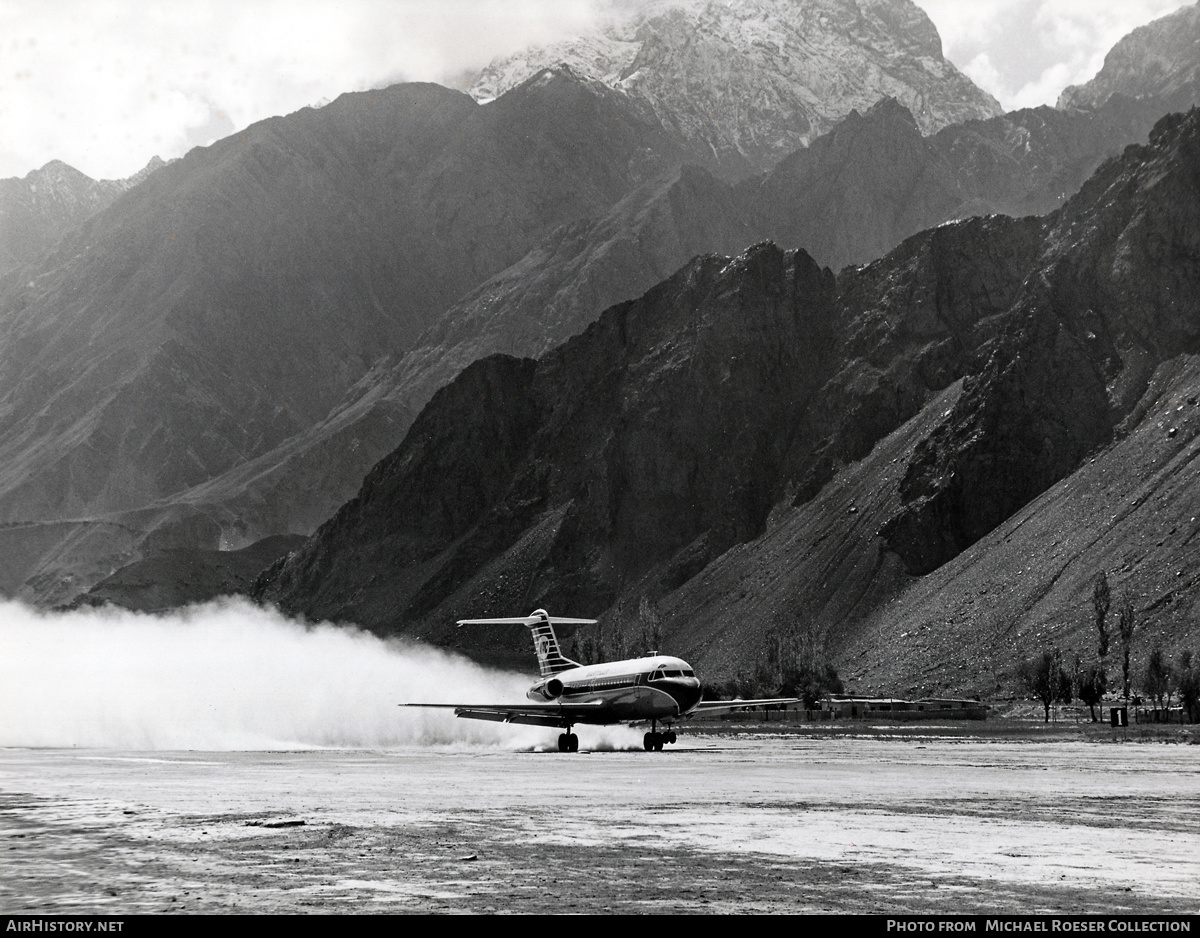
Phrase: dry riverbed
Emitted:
{"points": [[965, 818]]}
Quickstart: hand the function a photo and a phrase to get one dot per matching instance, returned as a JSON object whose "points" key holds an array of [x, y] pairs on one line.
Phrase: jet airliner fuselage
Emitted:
{"points": [[653, 689]]}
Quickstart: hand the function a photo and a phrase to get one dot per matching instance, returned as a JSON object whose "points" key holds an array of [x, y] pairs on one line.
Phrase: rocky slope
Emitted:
{"points": [[874, 180], [850, 197], [1159, 59], [755, 442], [236, 296], [970, 537], [755, 80], [37, 210], [173, 577], [1132, 510], [552, 293]]}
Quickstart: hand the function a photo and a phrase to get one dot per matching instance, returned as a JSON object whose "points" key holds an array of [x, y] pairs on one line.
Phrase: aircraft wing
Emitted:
{"points": [[712, 706], [529, 714]]}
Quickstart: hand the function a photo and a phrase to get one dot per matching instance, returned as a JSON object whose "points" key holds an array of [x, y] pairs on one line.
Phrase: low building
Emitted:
{"points": [[846, 707]]}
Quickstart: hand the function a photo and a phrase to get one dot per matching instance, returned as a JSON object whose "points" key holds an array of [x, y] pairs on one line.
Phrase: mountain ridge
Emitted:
{"points": [[238, 240], [37, 210], [669, 449], [1159, 59], [253, 451]]}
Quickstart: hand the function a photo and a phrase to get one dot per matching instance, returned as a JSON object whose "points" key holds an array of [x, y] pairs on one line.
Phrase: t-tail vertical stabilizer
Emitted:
{"points": [[550, 657]]}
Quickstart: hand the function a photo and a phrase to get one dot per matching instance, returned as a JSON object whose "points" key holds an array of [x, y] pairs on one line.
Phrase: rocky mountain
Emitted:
{"points": [[854, 194], [1159, 59], [874, 180], [755, 80], [236, 296], [225, 352], [36, 211], [760, 445], [552, 293]]}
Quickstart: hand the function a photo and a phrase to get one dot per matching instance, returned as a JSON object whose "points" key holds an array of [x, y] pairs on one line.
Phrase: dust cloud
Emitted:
{"points": [[229, 675]]}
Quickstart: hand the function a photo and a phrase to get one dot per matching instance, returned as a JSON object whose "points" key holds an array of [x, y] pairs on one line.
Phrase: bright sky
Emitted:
{"points": [[1026, 51], [106, 84]]}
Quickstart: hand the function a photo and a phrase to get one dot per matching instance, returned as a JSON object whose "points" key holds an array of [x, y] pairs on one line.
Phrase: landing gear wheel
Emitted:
{"points": [[670, 737], [564, 742], [650, 741], [572, 743], [659, 739]]}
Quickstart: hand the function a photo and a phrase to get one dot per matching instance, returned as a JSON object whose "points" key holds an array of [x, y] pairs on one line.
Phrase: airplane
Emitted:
{"points": [[653, 689]]}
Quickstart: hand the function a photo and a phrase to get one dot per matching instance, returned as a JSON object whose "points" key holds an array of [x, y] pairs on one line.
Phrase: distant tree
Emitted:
{"points": [[1188, 685], [1090, 684], [767, 669], [1047, 679], [1156, 681], [618, 649], [584, 651], [650, 624], [1101, 602], [813, 684], [1126, 624], [796, 664], [740, 685], [1062, 680]]}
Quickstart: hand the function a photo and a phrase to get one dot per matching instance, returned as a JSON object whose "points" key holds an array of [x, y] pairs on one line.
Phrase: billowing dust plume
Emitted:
{"points": [[231, 675]]}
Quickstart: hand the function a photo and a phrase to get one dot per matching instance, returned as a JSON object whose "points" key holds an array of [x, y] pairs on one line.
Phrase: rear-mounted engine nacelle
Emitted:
{"points": [[551, 690]]}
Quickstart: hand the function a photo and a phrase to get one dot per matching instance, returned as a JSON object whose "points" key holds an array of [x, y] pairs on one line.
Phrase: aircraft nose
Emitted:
{"points": [[686, 693]]}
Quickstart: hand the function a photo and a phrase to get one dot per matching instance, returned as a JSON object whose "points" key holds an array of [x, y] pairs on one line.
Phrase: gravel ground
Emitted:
{"points": [[775, 819]]}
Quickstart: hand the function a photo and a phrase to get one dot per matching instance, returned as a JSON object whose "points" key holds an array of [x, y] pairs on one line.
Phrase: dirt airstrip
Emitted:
{"points": [[902, 819]]}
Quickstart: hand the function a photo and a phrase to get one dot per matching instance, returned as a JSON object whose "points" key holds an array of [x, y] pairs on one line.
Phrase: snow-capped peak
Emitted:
{"points": [[755, 79]]}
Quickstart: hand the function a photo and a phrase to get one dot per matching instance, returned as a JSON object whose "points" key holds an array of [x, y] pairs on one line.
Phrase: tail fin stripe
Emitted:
{"points": [[550, 657]]}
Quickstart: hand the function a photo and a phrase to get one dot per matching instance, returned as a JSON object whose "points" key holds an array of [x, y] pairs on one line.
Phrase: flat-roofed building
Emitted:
{"points": [[846, 707]]}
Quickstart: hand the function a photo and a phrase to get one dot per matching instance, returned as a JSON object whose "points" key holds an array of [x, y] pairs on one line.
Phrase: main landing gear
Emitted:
{"points": [[654, 740], [568, 742]]}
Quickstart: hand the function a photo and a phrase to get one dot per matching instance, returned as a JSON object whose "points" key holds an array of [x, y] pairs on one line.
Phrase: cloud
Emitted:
{"points": [[217, 125], [1032, 49], [1046, 87], [981, 71], [106, 85]]}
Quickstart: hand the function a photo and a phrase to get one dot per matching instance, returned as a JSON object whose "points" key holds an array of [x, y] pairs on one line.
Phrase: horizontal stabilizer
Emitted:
{"points": [[551, 660]]}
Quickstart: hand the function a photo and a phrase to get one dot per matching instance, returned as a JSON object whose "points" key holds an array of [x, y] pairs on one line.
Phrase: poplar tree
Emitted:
{"points": [[1101, 602], [1126, 624]]}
